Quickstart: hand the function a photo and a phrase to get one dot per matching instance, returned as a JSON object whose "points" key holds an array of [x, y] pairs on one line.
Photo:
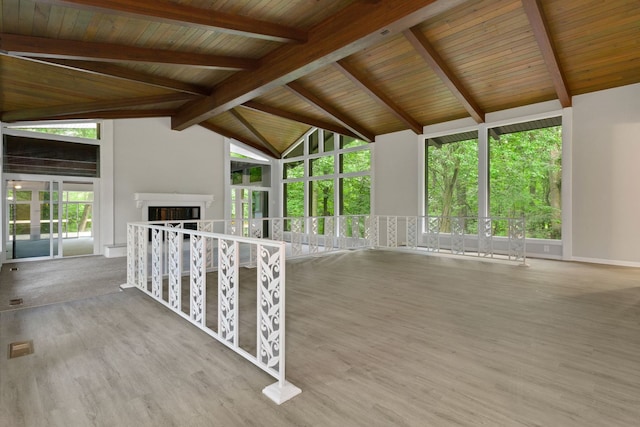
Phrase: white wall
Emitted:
{"points": [[606, 176], [149, 157], [396, 171]]}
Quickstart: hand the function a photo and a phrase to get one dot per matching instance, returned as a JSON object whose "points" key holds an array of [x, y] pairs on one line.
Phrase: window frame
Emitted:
{"points": [[537, 244], [337, 176]]}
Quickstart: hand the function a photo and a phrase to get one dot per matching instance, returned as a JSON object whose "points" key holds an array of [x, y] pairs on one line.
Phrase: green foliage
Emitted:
{"points": [[524, 180], [79, 132], [294, 199], [355, 191], [452, 181], [356, 195], [321, 198]]}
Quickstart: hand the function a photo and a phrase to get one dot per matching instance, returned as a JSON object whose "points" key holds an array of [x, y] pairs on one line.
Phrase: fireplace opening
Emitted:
{"points": [[175, 213]]}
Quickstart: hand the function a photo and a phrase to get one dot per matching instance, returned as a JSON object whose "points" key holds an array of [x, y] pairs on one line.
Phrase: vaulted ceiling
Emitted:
{"points": [[265, 71]]}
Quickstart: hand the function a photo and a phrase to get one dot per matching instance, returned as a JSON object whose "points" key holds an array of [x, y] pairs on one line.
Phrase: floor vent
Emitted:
{"points": [[21, 348], [15, 301]]}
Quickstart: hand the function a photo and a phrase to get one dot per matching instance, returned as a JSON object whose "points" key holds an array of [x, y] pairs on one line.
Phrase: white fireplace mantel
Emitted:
{"points": [[159, 199]]}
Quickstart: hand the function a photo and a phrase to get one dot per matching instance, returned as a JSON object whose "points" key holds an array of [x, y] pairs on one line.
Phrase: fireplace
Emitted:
{"points": [[169, 207], [177, 213]]}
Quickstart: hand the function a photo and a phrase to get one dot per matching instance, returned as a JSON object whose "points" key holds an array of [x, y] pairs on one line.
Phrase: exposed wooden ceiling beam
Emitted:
{"points": [[534, 12], [328, 109], [275, 153], [41, 47], [330, 126], [225, 132], [115, 114], [181, 14], [437, 64], [124, 73], [91, 107], [357, 26], [362, 81]]}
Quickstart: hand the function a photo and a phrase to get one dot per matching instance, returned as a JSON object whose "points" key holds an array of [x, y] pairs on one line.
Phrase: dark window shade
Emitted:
{"points": [[47, 157]]}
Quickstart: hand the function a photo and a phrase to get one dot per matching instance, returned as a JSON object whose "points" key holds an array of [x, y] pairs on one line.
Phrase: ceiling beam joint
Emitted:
{"points": [[358, 78], [422, 46], [305, 94]]}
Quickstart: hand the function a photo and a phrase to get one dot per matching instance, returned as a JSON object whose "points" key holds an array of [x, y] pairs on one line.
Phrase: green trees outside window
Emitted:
{"points": [[524, 177], [334, 169], [77, 130], [452, 181]]}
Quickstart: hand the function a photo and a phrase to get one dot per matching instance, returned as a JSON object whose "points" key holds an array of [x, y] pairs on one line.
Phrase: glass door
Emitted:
{"points": [[48, 218], [77, 218], [33, 219], [247, 204]]}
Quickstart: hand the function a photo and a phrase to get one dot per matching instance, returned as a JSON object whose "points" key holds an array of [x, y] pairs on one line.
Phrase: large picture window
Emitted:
{"points": [[525, 171], [327, 174], [452, 177], [523, 177]]}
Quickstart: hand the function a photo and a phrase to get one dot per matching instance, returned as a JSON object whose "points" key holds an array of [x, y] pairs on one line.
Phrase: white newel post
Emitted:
{"points": [[271, 321]]}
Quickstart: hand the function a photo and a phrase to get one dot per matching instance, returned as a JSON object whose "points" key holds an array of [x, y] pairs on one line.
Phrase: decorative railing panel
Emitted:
{"points": [[228, 291], [392, 231], [175, 269], [433, 234], [457, 235], [485, 237], [412, 232], [517, 239], [269, 353], [198, 289]]}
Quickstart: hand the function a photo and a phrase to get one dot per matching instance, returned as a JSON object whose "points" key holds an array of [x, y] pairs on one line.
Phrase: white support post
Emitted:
{"points": [[271, 321]]}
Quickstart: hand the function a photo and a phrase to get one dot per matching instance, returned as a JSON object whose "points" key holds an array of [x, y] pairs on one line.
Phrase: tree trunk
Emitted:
{"points": [[447, 198], [555, 185], [85, 218]]}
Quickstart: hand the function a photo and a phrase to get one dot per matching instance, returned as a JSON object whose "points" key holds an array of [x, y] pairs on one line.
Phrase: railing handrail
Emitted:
{"points": [[210, 234]]}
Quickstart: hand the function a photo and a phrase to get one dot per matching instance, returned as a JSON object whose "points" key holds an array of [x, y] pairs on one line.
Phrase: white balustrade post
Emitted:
{"points": [[142, 258], [392, 231], [131, 254], [175, 269], [329, 233], [412, 232], [197, 275], [156, 263], [228, 276], [271, 321]]}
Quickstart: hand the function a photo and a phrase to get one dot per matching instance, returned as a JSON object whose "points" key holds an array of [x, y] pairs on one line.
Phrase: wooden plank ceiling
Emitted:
{"points": [[265, 71]]}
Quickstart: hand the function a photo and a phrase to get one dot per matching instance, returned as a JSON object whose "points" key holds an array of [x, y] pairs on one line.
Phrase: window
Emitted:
{"points": [[245, 173], [77, 130], [294, 199], [322, 166], [452, 177], [525, 168], [523, 175], [320, 179], [321, 200], [49, 157], [356, 195]]}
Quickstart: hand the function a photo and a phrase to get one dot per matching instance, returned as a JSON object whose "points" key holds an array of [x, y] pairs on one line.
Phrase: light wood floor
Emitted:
{"points": [[374, 338]]}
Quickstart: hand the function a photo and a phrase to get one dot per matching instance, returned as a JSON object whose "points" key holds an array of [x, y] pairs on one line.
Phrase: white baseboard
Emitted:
{"points": [[606, 261]]}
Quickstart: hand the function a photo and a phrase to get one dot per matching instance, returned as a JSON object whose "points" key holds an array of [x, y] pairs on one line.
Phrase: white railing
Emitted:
{"points": [[172, 264], [474, 236], [488, 237]]}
